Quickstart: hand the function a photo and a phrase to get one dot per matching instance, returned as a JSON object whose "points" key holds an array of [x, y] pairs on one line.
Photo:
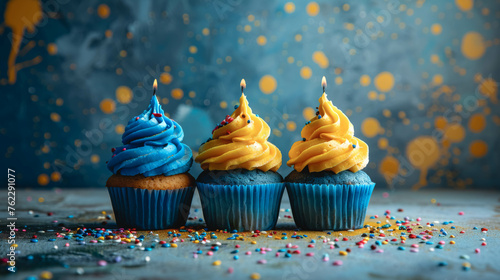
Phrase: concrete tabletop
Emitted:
{"points": [[45, 213]]}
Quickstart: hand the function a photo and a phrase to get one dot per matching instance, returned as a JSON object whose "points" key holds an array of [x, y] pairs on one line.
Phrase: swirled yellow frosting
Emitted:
{"points": [[328, 143], [240, 142]]}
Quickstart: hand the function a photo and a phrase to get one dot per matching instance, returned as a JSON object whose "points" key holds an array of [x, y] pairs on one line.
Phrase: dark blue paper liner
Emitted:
{"points": [[150, 209], [329, 207], [241, 207]]}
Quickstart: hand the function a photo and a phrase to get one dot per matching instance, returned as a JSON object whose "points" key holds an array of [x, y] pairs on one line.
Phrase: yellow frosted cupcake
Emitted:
{"points": [[327, 189], [239, 187]]}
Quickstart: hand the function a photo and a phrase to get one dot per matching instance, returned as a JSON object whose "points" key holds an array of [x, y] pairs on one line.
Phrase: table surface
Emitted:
{"points": [[55, 210]]}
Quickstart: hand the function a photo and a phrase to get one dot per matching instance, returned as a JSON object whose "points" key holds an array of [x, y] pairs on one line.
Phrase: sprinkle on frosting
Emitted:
{"points": [[328, 143], [152, 146], [239, 143]]}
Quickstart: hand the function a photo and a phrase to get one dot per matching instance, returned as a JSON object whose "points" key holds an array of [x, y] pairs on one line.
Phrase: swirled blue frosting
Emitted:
{"points": [[151, 146]]}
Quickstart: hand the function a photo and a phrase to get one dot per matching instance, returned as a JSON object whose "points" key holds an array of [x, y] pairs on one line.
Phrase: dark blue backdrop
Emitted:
{"points": [[417, 79]]}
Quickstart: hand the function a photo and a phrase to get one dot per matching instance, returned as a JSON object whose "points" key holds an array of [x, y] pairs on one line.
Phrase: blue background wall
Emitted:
{"points": [[418, 80]]}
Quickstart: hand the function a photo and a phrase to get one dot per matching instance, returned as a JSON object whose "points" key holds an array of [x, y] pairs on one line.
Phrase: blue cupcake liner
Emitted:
{"points": [[150, 209], [329, 207], [241, 207]]}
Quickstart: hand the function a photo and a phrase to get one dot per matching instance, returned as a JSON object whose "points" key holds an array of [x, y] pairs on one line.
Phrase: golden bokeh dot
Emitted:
{"points": [[289, 7], [290, 59], [464, 5], [177, 93], [223, 104], [119, 128], [478, 148], [423, 152], [383, 143], [107, 106], [437, 79], [59, 101], [473, 46], [440, 122], [454, 133], [43, 179], [193, 49], [251, 18], [267, 84], [305, 72], [389, 167], [291, 126], [372, 95], [339, 80], [261, 40], [489, 88], [386, 113], [55, 176], [320, 58], [45, 149], [434, 58], [192, 94], [95, 158], [247, 28], [123, 94], [477, 123], [308, 113], [205, 31], [348, 26], [370, 127], [103, 11], [165, 78], [298, 37], [365, 80], [312, 9], [277, 132], [436, 29], [108, 33], [52, 48], [384, 81], [55, 117], [123, 53]]}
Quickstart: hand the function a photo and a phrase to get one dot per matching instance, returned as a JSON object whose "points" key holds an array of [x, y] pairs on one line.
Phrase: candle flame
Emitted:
{"points": [[323, 83], [155, 85], [243, 84]]}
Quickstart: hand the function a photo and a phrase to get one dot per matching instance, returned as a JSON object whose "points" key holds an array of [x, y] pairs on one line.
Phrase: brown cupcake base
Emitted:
{"points": [[159, 182]]}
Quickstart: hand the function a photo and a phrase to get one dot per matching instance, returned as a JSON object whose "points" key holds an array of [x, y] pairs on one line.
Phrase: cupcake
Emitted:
{"points": [[150, 187], [327, 189], [239, 187]]}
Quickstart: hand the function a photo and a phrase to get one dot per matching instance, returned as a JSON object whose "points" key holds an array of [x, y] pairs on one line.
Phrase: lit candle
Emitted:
{"points": [[243, 85], [155, 86], [323, 83]]}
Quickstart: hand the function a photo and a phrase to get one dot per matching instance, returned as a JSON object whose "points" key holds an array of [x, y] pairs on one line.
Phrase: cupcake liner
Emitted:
{"points": [[151, 209], [329, 207], [241, 207]]}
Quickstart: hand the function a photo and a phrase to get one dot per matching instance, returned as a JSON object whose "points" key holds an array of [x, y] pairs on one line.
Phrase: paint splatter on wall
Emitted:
{"points": [[418, 79]]}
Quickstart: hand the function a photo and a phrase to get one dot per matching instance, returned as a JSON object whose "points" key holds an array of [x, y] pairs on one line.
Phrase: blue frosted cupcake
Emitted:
{"points": [[239, 187], [150, 187], [327, 189]]}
